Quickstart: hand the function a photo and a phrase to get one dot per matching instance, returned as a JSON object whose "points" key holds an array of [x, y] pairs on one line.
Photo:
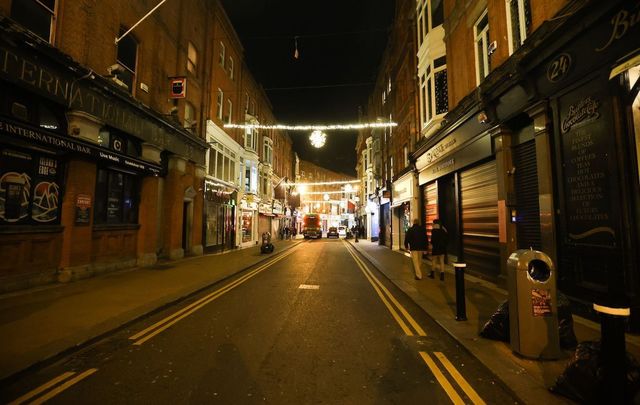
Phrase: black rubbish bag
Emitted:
{"points": [[568, 338], [497, 327], [583, 376]]}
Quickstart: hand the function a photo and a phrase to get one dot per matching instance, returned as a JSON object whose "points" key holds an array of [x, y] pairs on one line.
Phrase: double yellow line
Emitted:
{"points": [[455, 374], [53, 387], [399, 313], [404, 319], [167, 322]]}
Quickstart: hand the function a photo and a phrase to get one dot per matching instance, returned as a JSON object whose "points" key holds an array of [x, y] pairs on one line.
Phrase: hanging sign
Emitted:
{"points": [[178, 87]]}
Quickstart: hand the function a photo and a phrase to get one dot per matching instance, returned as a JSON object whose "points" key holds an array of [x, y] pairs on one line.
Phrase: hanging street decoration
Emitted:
{"points": [[318, 138], [332, 127]]}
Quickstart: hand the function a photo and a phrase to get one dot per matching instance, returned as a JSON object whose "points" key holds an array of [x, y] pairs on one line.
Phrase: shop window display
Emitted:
{"points": [[29, 188]]}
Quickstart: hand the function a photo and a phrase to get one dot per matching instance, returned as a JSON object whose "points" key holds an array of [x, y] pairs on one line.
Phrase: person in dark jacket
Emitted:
{"points": [[439, 238], [415, 240]]}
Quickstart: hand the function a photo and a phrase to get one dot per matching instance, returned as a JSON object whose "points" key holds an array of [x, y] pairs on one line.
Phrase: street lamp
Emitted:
{"points": [[318, 138]]}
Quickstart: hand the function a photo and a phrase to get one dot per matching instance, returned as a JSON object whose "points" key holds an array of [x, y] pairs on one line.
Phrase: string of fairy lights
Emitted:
{"points": [[317, 138]]}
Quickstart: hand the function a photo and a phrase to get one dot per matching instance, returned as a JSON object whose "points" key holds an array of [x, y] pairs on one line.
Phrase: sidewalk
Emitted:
{"points": [[529, 379], [41, 323]]}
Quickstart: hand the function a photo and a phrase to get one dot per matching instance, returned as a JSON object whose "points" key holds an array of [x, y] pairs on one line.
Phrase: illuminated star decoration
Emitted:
{"points": [[318, 138]]}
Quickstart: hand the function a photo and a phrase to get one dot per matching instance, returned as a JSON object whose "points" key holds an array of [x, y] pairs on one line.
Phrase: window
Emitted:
{"points": [[391, 167], [222, 163], [37, 16], [246, 103], [430, 14], [250, 176], [116, 198], [231, 68], [189, 116], [405, 154], [434, 96], [518, 22], [436, 12], [251, 139], [192, 59], [267, 151], [222, 55], [219, 104], [481, 33], [127, 58], [229, 111], [29, 188]]}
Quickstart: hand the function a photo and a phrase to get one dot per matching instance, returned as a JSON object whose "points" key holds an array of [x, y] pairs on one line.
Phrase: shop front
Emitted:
{"points": [[86, 174], [588, 78], [403, 206], [220, 207], [459, 186]]}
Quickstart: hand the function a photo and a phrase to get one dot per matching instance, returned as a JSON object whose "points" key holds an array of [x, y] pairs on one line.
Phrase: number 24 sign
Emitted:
{"points": [[559, 67]]}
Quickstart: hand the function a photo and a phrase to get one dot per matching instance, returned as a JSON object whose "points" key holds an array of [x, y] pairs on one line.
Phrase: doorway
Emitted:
{"points": [[448, 213]]}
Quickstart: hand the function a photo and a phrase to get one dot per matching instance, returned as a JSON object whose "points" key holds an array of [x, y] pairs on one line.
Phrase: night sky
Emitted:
{"points": [[340, 44]]}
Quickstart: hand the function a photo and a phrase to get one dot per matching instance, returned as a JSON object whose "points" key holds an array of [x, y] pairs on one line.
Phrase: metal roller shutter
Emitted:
{"points": [[527, 203], [479, 198]]}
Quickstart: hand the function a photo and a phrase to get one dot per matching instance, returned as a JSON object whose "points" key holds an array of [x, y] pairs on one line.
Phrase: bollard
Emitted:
{"points": [[461, 307], [613, 354]]}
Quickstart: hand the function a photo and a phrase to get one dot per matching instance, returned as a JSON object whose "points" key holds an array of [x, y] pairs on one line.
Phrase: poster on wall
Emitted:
{"points": [[83, 209]]}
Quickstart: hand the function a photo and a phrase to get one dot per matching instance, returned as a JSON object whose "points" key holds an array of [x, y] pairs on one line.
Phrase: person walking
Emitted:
{"points": [[439, 238], [415, 240]]}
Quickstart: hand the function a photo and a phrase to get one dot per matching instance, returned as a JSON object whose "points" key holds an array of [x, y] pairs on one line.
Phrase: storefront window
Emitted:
{"points": [[29, 188], [247, 219], [116, 198]]}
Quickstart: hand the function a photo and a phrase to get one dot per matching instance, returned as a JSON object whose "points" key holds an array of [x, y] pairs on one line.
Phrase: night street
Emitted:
{"points": [[314, 324]]}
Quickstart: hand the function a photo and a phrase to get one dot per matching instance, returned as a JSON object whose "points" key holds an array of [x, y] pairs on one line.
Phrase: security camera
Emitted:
{"points": [[115, 69]]}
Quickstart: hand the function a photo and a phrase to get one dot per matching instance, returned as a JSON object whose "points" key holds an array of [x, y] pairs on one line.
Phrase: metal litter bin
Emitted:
{"points": [[533, 305]]}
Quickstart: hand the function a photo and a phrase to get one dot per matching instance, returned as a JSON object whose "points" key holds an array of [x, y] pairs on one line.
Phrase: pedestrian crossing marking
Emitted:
{"points": [[309, 287]]}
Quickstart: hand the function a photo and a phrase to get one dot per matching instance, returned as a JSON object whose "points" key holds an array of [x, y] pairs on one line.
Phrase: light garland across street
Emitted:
{"points": [[332, 127], [324, 183]]}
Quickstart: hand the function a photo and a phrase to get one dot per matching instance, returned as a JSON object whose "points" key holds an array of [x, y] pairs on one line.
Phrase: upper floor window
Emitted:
{"points": [[430, 14], [219, 104], [192, 59], [251, 139], [222, 163], [231, 68], [127, 57], [35, 15], [246, 103], [434, 97], [518, 22], [229, 111], [267, 151], [222, 55], [481, 34], [189, 116], [405, 154]]}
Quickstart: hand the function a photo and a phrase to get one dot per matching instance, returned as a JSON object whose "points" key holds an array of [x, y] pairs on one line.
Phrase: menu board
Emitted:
{"points": [[586, 131]]}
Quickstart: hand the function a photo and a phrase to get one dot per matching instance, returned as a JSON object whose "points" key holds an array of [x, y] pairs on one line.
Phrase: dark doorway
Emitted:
{"points": [[448, 212]]}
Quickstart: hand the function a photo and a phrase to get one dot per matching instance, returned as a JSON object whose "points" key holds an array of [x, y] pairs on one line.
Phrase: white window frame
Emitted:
{"points": [[231, 68], [229, 163], [427, 83], [522, 23], [267, 151], [251, 139], [481, 38], [222, 55], [422, 17], [229, 110], [219, 104], [192, 59]]}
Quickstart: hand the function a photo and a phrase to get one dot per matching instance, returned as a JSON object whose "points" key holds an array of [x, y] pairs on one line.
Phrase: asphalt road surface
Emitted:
{"points": [[316, 324]]}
